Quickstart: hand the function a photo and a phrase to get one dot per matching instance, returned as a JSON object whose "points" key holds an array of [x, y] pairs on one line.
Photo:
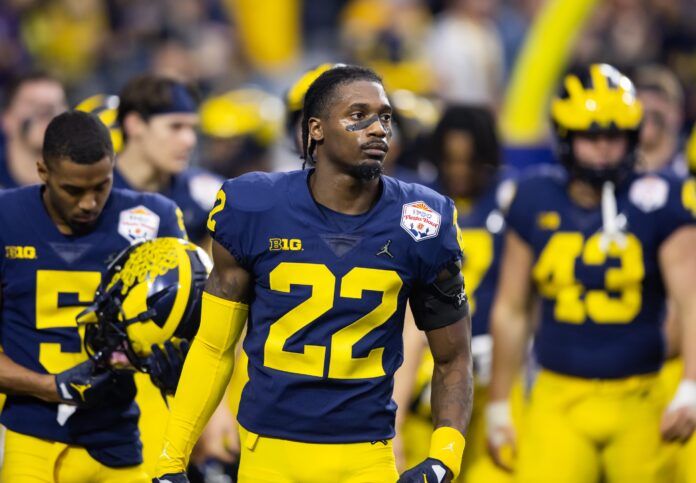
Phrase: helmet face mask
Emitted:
{"points": [[150, 293], [597, 100]]}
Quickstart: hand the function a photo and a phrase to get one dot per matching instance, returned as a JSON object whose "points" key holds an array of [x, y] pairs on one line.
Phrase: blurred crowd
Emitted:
{"points": [[242, 55]]}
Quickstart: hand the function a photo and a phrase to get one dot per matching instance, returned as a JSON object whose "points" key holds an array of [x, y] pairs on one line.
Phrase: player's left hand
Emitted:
{"points": [[428, 471], [679, 420], [166, 365]]}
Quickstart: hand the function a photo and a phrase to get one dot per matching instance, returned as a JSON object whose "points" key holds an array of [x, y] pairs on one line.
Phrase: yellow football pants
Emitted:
{"points": [[271, 460], [153, 420], [34, 460], [580, 430]]}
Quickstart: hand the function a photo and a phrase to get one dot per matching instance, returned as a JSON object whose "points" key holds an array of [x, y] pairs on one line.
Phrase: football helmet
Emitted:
{"points": [[690, 152], [151, 292], [295, 95], [595, 100], [105, 107]]}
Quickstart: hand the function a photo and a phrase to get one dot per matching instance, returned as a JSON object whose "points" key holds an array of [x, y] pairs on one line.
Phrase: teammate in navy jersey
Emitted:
{"points": [[322, 261], [64, 419], [602, 248], [466, 150], [31, 101], [158, 118]]}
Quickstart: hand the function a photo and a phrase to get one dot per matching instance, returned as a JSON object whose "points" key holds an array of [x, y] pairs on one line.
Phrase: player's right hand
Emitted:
{"points": [[84, 385], [172, 478], [500, 434]]}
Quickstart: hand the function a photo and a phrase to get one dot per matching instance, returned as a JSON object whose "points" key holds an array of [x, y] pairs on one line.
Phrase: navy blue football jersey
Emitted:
{"points": [[602, 303], [193, 190], [324, 334], [483, 226], [47, 279]]}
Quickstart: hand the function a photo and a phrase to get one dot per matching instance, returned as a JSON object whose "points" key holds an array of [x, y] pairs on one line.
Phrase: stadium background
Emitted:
{"points": [[506, 54]]}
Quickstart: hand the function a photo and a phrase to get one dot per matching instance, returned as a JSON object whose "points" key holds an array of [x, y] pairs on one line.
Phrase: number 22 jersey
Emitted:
{"points": [[324, 334]]}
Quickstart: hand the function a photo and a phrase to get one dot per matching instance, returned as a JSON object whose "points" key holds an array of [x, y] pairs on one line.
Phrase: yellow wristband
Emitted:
{"points": [[447, 445]]}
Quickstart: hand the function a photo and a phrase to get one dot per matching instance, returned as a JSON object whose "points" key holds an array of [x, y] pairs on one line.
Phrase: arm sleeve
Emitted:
{"points": [[205, 376]]}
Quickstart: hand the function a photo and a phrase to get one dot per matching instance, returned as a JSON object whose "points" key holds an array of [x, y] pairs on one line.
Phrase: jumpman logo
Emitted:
{"points": [[164, 454], [385, 250], [80, 388]]}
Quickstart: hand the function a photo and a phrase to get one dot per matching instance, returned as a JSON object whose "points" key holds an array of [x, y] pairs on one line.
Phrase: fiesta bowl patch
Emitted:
{"points": [[420, 221], [138, 224]]}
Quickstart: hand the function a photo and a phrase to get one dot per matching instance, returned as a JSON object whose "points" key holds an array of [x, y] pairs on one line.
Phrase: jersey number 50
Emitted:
{"points": [[342, 364]]}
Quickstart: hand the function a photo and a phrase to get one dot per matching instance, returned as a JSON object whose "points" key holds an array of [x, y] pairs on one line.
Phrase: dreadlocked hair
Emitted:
{"points": [[319, 97], [479, 122]]}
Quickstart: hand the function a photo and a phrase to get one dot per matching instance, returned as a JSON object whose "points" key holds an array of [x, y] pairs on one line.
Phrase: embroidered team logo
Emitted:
{"points": [[138, 224], [420, 221]]}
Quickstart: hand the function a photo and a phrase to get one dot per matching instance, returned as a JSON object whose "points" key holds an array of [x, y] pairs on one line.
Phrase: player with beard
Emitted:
{"points": [[66, 419], [323, 261]]}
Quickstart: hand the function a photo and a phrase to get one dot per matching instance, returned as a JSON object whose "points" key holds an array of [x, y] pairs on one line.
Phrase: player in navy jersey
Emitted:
{"points": [[31, 101], [56, 239], [158, 118], [603, 248], [466, 149], [322, 261]]}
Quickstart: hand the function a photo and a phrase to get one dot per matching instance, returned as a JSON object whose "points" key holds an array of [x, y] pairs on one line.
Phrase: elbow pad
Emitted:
{"points": [[441, 303]]}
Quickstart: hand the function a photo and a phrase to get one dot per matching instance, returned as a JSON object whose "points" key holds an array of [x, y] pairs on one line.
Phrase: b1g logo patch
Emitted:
{"points": [[138, 224], [420, 221]]}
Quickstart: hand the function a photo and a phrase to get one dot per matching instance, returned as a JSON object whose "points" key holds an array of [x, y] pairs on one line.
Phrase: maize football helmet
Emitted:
{"points": [[151, 292], [105, 107], [596, 100]]}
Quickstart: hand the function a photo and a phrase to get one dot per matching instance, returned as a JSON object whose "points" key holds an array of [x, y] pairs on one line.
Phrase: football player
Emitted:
{"points": [[322, 261], [602, 247], [465, 147], [67, 422], [32, 100], [158, 118]]}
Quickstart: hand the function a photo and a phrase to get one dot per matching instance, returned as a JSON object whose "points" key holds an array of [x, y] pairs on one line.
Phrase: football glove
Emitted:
{"points": [[164, 366], [428, 471], [85, 384], [172, 478]]}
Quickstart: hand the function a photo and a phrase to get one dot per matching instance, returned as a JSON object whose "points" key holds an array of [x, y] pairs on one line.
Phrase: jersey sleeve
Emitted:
{"points": [[518, 211], [449, 249], [227, 223], [680, 209]]}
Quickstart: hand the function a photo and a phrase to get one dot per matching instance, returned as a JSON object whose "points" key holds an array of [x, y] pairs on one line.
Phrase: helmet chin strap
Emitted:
{"points": [[611, 231]]}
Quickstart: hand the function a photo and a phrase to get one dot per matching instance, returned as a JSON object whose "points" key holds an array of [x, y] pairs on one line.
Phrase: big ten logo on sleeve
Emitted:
{"points": [[138, 224], [420, 221]]}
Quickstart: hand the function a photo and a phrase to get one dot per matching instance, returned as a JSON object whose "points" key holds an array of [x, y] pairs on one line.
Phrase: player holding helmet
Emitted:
{"points": [[68, 418]]}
